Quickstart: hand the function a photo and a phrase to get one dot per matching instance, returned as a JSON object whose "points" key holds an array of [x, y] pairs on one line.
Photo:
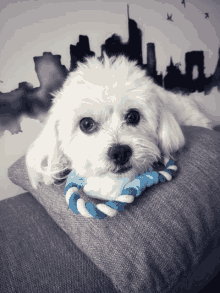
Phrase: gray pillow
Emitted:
{"points": [[165, 234]]}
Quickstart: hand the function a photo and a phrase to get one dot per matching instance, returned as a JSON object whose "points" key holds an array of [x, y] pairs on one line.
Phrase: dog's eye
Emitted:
{"points": [[133, 117], [87, 125]]}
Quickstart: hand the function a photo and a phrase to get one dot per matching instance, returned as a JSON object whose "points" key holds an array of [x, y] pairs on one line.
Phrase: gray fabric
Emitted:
{"points": [[37, 256], [167, 231]]}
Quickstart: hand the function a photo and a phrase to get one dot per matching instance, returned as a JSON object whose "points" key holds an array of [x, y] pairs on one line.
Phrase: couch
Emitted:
{"points": [[168, 240]]}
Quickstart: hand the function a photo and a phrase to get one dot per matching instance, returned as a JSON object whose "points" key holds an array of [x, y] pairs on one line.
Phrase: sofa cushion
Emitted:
{"points": [[165, 234], [38, 256]]}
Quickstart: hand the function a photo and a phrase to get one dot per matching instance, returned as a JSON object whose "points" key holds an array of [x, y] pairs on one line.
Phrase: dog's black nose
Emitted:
{"points": [[120, 154]]}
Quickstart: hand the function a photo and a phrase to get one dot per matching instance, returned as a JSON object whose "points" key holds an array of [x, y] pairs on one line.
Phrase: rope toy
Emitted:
{"points": [[132, 189]]}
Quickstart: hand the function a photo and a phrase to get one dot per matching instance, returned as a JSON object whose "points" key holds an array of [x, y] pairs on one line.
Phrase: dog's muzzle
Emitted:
{"points": [[120, 155]]}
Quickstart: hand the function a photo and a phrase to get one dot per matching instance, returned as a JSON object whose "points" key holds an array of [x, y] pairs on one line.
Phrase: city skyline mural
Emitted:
{"points": [[33, 101]]}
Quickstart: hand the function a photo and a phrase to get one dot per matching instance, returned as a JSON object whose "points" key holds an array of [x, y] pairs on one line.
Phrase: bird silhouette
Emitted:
{"points": [[184, 3], [169, 17], [206, 15]]}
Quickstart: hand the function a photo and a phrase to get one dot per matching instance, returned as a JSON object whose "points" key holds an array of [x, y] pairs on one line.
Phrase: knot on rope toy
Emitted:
{"points": [[129, 192]]}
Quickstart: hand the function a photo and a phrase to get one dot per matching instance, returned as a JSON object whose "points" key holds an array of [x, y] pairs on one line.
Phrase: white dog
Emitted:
{"points": [[110, 120]]}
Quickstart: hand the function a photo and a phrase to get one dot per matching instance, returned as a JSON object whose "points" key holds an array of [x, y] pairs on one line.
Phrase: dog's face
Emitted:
{"points": [[108, 118], [114, 135]]}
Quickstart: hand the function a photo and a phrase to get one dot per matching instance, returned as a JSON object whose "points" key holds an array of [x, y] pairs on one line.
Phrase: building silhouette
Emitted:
{"points": [[134, 45], [113, 46], [214, 79], [174, 80], [151, 59], [79, 51], [51, 75], [195, 58], [151, 66], [171, 79], [50, 72]]}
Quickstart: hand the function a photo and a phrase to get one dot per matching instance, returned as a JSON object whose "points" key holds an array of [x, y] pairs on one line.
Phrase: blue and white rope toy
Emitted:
{"points": [[132, 189]]}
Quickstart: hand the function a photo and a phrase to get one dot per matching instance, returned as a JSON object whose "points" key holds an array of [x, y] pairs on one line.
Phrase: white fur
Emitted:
{"points": [[105, 91]]}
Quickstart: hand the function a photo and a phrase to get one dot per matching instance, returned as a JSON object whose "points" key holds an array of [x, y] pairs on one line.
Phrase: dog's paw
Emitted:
{"points": [[105, 187]]}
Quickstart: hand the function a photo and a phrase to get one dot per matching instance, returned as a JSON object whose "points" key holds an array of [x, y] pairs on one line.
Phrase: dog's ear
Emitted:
{"points": [[43, 154], [170, 135]]}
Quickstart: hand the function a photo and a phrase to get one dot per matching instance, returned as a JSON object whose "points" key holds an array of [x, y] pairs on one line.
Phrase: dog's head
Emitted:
{"points": [[107, 118]]}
